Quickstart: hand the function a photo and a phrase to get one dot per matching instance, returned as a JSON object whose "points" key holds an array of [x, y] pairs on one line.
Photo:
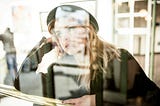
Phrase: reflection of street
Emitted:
{"points": [[10, 91], [9, 101], [30, 83], [7, 39]]}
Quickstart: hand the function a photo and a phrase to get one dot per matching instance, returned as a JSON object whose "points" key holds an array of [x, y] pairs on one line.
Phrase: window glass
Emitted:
{"points": [[123, 22], [123, 7], [139, 5]]}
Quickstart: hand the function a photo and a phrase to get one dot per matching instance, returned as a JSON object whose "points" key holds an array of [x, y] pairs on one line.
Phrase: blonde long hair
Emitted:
{"points": [[100, 53]]}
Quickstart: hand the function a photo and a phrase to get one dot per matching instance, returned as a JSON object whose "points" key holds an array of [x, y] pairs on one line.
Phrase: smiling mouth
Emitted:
{"points": [[68, 46], [74, 46]]}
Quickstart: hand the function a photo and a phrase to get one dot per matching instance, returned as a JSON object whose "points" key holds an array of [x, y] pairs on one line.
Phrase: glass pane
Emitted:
{"points": [[123, 41], [139, 5], [123, 23], [123, 7], [157, 13], [139, 44], [140, 22]]}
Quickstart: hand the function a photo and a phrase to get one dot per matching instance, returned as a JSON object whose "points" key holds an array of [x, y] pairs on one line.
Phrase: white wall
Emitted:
{"points": [[105, 19]]}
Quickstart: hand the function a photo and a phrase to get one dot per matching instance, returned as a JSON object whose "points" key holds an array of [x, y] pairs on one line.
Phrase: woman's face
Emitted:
{"points": [[72, 39], [72, 31]]}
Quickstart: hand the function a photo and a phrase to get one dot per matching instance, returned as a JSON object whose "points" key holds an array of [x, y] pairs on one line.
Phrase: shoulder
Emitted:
{"points": [[126, 53], [129, 59], [122, 50]]}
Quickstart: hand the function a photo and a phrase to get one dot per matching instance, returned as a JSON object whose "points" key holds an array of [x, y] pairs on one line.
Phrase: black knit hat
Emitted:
{"points": [[92, 20]]}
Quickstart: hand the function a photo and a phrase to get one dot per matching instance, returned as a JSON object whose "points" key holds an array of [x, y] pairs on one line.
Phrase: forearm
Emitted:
{"points": [[86, 100]]}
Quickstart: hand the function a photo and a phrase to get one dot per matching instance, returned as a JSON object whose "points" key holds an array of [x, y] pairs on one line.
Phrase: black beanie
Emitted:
{"points": [[92, 20]]}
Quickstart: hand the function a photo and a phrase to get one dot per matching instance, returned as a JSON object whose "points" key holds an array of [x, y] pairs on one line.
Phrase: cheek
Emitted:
{"points": [[64, 43], [76, 41]]}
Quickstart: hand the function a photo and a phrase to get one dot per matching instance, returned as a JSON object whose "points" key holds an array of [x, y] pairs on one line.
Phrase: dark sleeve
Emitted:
{"points": [[147, 89], [1, 37], [140, 85], [97, 88], [34, 57]]}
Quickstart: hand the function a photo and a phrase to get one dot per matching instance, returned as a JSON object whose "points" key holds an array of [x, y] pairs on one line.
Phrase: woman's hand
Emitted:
{"points": [[47, 60], [87, 100]]}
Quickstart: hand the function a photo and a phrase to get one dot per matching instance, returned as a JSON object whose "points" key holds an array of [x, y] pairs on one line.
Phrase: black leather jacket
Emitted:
{"points": [[125, 84]]}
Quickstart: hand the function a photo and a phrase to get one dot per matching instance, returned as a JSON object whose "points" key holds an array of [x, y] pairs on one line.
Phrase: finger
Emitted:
{"points": [[70, 101]]}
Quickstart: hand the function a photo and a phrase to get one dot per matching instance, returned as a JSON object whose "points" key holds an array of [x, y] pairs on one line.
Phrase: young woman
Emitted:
{"points": [[112, 76]]}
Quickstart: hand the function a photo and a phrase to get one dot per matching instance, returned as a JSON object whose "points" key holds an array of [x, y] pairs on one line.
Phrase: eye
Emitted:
{"points": [[71, 29]]}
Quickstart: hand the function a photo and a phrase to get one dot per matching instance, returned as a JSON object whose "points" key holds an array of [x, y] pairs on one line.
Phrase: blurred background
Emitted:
{"points": [[130, 24]]}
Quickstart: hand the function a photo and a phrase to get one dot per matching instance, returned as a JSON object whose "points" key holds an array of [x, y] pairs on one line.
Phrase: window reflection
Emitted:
{"points": [[123, 23], [140, 22], [123, 7], [139, 5]]}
